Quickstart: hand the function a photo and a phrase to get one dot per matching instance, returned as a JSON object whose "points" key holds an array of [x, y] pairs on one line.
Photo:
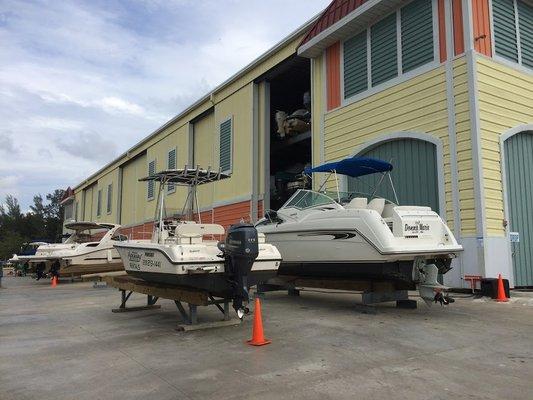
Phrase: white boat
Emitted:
{"points": [[80, 254], [350, 237], [187, 253]]}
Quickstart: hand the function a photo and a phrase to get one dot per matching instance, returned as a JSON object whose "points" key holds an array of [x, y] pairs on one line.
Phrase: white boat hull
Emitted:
{"points": [[197, 266]]}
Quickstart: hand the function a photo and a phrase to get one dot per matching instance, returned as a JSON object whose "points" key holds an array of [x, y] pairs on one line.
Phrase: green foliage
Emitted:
{"points": [[44, 221]]}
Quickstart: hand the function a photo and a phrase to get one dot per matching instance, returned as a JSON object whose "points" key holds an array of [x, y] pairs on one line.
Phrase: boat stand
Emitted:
{"points": [[372, 292], [150, 303], [187, 301]]}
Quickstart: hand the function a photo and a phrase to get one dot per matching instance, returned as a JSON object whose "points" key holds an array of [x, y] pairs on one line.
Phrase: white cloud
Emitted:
{"points": [[69, 69]]}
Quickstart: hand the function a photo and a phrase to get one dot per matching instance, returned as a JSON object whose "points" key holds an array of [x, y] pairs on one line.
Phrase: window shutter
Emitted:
{"points": [[417, 34], [109, 197], [171, 164], [99, 203], [505, 29], [151, 184], [225, 146], [383, 50], [355, 65], [525, 22]]}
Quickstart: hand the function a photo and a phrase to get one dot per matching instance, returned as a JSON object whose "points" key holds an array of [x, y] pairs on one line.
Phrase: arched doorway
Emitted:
{"points": [[519, 190], [415, 174]]}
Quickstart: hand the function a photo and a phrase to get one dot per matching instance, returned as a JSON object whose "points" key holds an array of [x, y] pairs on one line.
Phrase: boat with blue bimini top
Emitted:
{"points": [[349, 236], [184, 252]]}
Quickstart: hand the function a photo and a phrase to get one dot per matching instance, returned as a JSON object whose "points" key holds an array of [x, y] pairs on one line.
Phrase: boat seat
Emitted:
{"points": [[377, 205], [357, 203], [388, 210], [191, 230]]}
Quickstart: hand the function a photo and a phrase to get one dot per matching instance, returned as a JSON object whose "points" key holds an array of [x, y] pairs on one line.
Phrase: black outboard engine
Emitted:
{"points": [[240, 250]]}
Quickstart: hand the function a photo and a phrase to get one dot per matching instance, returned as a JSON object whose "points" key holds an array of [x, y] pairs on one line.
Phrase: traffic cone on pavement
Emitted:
{"points": [[501, 297], [258, 337], [54, 281]]}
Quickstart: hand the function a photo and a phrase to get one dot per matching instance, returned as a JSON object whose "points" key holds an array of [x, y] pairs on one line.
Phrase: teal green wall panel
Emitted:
{"points": [[505, 29], [225, 145], [417, 34], [355, 65], [415, 173], [519, 171], [383, 50], [525, 22]]}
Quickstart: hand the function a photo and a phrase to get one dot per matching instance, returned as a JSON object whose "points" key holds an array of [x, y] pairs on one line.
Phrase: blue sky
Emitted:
{"points": [[80, 82]]}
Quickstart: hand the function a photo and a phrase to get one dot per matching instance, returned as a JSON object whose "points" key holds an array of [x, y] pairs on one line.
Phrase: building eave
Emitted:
{"points": [[353, 23]]}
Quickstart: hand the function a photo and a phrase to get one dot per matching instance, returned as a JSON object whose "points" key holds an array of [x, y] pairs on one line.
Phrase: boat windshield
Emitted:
{"points": [[86, 236], [346, 197], [306, 199]]}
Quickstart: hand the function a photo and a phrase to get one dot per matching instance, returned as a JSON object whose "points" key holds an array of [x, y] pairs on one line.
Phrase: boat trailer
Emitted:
{"points": [[187, 301]]}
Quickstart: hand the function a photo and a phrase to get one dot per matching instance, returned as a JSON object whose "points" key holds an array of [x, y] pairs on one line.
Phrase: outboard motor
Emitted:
{"points": [[240, 250]]}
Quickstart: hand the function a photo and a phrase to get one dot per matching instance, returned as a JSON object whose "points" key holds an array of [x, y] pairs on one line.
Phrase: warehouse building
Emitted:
{"points": [[441, 88]]}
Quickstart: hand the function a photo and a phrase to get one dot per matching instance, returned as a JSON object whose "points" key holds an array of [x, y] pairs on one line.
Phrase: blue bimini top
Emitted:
{"points": [[353, 166]]}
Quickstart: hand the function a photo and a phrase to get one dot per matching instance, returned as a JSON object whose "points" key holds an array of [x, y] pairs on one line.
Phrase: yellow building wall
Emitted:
{"points": [[134, 193], [109, 179], [173, 138], [505, 101], [239, 107], [204, 154], [232, 87], [417, 105], [88, 203], [463, 131], [317, 112], [78, 199], [262, 135]]}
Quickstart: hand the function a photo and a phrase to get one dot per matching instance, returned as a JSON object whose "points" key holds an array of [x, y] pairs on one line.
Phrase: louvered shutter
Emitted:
{"points": [[525, 23], [171, 164], [383, 50], [225, 146], [109, 197], [99, 203], [505, 29], [355, 65], [151, 184], [417, 34]]}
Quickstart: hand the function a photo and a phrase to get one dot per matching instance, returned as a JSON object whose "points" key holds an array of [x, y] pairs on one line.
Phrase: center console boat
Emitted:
{"points": [[187, 253]]}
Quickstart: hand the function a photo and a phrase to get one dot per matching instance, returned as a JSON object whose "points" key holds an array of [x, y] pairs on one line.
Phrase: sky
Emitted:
{"points": [[81, 82]]}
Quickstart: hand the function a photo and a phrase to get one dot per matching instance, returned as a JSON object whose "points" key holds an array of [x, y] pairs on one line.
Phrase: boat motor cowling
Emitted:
{"points": [[241, 249]]}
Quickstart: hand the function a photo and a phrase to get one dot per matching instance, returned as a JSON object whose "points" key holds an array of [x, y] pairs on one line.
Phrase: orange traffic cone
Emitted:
{"points": [[54, 281], [258, 337], [501, 297]]}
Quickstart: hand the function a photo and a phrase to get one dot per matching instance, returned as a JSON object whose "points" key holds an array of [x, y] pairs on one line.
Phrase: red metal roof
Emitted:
{"points": [[337, 10]]}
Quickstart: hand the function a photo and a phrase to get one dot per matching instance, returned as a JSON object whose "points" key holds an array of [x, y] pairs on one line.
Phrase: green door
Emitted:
{"points": [[415, 174], [519, 171]]}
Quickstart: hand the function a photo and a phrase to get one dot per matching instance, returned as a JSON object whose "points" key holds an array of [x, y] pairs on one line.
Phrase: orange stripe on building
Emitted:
{"points": [[481, 25], [458, 30], [442, 31], [333, 75], [224, 215]]}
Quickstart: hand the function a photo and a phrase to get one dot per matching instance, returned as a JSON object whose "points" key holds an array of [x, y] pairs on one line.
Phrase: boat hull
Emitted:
{"points": [[398, 272], [215, 283], [153, 263]]}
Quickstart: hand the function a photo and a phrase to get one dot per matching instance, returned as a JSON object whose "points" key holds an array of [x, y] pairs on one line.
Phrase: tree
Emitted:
{"points": [[43, 221]]}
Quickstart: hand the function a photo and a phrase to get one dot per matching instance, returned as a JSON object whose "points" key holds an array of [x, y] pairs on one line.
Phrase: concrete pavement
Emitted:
{"points": [[65, 343]]}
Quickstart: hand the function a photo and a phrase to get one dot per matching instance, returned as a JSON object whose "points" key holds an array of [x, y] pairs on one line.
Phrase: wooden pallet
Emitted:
{"points": [[154, 291]]}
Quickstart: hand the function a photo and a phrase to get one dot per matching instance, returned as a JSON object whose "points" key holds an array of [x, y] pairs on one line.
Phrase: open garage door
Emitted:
{"points": [[519, 171], [415, 173]]}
